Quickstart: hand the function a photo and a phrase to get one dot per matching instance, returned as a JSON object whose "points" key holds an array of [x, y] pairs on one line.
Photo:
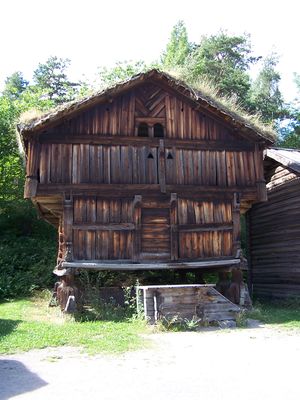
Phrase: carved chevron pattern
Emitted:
{"points": [[150, 102]]}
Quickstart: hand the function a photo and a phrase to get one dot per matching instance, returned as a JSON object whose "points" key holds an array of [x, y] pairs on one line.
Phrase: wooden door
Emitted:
{"points": [[155, 234]]}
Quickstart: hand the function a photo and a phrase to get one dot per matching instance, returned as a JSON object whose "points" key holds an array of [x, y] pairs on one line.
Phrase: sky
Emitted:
{"points": [[95, 33]]}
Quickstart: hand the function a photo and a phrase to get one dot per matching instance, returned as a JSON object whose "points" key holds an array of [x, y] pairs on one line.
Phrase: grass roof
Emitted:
{"points": [[200, 92]]}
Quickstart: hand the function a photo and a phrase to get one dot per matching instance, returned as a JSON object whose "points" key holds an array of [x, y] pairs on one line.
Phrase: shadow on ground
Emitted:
{"points": [[7, 326], [16, 378]]}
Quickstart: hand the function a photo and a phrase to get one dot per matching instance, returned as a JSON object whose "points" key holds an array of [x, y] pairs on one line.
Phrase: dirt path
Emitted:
{"points": [[257, 364]]}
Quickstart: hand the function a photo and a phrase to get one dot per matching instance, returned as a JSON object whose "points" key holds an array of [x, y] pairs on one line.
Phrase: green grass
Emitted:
{"points": [[284, 314], [30, 324]]}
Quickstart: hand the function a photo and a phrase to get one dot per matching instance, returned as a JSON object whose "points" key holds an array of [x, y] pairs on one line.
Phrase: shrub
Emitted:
{"points": [[27, 250]]}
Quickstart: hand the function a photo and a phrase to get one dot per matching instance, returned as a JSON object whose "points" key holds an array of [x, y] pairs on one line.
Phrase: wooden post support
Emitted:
{"points": [[174, 227], [162, 166], [31, 182], [137, 220], [68, 227], [236, 220], [68, 293]]}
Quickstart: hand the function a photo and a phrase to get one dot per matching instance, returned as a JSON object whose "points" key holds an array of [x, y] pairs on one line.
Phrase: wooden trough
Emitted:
{"points": [[201, 302]]}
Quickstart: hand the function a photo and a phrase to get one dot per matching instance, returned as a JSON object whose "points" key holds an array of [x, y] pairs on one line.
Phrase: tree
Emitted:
{"points": [[52, 79], [178, 47], [11, 169], [15, 85], [121, 71], [290, 134], [265, 96], [224, 60]]}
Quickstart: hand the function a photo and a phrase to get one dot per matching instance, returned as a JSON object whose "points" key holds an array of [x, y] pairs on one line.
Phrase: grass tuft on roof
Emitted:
{"points": [[206, 90]]}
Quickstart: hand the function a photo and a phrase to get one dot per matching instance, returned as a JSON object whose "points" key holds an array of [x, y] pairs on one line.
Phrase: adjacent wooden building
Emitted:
{"points": [[274, 228], [147, 174]]}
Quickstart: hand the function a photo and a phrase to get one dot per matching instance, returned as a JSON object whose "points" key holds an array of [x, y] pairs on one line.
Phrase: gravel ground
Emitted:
{"points": [[259, 364]]}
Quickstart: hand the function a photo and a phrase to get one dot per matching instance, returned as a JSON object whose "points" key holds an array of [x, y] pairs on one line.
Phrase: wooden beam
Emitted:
{"points": [[194, 144], [123, 189], [120, 265], [106, 227], [205, 227]]}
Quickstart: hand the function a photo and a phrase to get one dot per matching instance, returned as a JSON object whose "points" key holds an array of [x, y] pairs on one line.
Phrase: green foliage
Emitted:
{"points": [[265, 96], [11, 167], [178, 47], [27, 250], [52, 79], [15, 85], [224, 60], [177, 324], [290, 134], [120, 72], [30, 324]]}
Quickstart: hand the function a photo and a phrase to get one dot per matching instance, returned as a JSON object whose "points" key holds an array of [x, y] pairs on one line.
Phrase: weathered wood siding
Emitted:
{"points": [[146, 176], [200, 302], [108, 229], [151, 104], [133, 164], [102, 229], [274, 230], [205, 229]]}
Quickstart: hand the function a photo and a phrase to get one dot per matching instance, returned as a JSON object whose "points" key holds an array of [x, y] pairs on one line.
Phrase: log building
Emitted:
{"points": [[148, 174], [274, 229]]}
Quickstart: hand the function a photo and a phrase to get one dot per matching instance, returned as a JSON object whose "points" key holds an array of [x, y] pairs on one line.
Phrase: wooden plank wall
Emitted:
{"points": [[205, 229], [102, 228], [275, 236], [106, 229], [119, 117], [85, 163]]}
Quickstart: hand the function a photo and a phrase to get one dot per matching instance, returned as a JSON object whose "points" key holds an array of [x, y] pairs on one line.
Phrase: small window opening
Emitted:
{"points": [[107, 109], [158, 130], [169, 156], [182, 109], [143, 130], [150, 155]]}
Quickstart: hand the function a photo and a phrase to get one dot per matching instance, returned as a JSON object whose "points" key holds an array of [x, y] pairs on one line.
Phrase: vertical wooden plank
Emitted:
{"points": [[106, 164], [76, 164], [137, 220], [131, 114], [162, 166], [44, 163], [236, 232], [174, 226], [168, 117], [260, 180]]}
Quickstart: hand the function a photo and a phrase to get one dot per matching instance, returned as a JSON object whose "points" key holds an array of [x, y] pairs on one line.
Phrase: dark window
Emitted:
{"points": [[158, 130], [169, 156], [143, 130], [150, 155]]}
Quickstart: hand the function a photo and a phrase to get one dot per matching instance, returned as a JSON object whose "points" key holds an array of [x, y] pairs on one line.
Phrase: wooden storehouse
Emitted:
{"points": [[148, 174], [274, 229]]}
